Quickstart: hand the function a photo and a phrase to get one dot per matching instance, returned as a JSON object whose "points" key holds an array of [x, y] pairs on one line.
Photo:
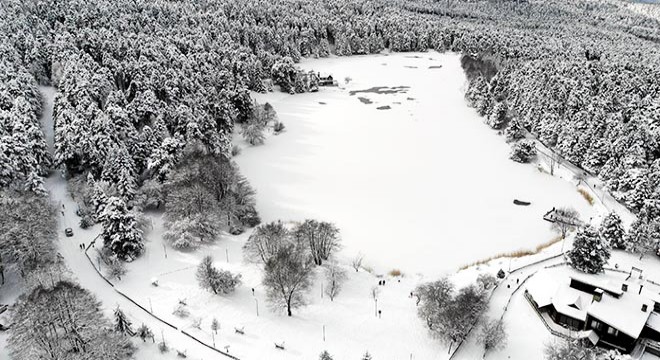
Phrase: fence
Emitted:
{"points": [[154, 315], [511, 296]]}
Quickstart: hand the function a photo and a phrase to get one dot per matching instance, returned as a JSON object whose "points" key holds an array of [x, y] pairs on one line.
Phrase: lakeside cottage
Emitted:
{"points": [[612, 310]]}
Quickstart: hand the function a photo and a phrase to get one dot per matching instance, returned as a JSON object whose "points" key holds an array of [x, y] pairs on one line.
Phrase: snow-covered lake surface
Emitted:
{"points": [[424, 186]]}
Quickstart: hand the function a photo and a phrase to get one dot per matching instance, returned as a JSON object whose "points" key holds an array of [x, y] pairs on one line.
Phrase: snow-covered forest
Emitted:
{"points": [[150, 93]]}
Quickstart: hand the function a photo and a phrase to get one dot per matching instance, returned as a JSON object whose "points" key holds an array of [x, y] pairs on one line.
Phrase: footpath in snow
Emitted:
{"points": [[402, 165]]}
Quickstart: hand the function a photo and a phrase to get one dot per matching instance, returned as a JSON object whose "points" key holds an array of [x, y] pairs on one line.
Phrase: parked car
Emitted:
{"points": [[68, 232]]}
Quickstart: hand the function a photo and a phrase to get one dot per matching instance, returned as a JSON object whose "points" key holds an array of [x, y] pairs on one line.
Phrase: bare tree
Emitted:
{"points": [[434, 298], [144, 332], [321, 237], [265, 241], [335, 277], [218, 281], [356, 263], [555, 161], [288, 277], [568, 350], [493, 335], [486, 281], [55, 322], [565, 220], [450, 316]]}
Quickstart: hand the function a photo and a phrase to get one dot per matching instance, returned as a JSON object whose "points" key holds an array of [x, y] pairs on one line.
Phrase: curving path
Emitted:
{"points": [[85, 273]]}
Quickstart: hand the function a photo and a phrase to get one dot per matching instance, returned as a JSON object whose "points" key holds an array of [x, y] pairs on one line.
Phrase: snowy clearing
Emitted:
{"points": [[407, 185]]}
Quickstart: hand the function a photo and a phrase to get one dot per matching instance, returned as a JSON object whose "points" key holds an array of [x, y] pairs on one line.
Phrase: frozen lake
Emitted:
{"points": [[424, 186]]}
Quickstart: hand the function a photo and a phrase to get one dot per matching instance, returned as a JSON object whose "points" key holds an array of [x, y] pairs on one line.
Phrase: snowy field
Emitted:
{"points": [[406, 186], [424, 186]]}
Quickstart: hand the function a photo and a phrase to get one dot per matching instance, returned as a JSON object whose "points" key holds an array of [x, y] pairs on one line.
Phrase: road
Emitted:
{"points": [[83, 271]]}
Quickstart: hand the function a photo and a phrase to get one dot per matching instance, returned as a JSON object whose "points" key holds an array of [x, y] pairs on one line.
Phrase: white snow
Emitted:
{"points": [[350, 321], [425, 186]]}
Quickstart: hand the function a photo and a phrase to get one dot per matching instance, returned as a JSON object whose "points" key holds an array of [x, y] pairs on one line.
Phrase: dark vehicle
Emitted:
{"points": [[68, 232]]}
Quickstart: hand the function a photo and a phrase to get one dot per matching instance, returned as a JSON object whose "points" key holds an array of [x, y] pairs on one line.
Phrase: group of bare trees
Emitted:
{"points": [[450, 313], [289, 256], [205, 195], [63, 321]]}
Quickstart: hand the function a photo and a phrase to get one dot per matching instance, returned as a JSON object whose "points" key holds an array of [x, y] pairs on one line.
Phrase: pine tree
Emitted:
{"points": [[325, 355], [514, 131], [98, 197], [611, 229], [590, 253], [523, 151], [497, 116], [643, 237], [122, 324], [366, 356], [120, 230], [215, 325], [119, 170]]}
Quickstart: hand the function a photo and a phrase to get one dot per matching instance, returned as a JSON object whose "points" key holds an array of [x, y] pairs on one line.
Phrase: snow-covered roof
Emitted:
{"points": [[654, 321], [624, 313], [617, 308], [542, 287], [572, 302], [602, 281], [653, 295]]}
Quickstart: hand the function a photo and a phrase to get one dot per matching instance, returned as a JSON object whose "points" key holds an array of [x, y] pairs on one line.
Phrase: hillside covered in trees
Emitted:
{"points": [[149, 93]]}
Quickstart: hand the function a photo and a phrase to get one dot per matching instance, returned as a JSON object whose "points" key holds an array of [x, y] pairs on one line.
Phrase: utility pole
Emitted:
{"points": [[256, 301]]}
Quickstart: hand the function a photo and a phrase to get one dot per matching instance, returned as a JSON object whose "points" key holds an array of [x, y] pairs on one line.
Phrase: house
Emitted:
{"points": [[611, 310], [327, 80]]}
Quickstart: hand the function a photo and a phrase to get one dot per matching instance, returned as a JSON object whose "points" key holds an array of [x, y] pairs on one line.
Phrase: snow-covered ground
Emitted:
{"points": [[351, 325], [424, 186]]}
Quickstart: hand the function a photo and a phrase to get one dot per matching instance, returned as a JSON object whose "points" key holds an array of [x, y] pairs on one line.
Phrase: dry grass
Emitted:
{"points": [[586, 195], [395, 272], [514, 254]]}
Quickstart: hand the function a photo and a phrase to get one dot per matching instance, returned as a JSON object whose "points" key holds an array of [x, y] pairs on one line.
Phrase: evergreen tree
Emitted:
{"points": [[122, 324], [215, 325], [119, 170], [121, 233], [498, 116], [643, 236], [523, 151], [590, 253], [325, 355], [611, 229], [514, 131]]}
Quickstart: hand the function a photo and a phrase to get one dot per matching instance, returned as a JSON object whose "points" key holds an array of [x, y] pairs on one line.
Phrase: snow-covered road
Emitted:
{"points": [[84, 272]]}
